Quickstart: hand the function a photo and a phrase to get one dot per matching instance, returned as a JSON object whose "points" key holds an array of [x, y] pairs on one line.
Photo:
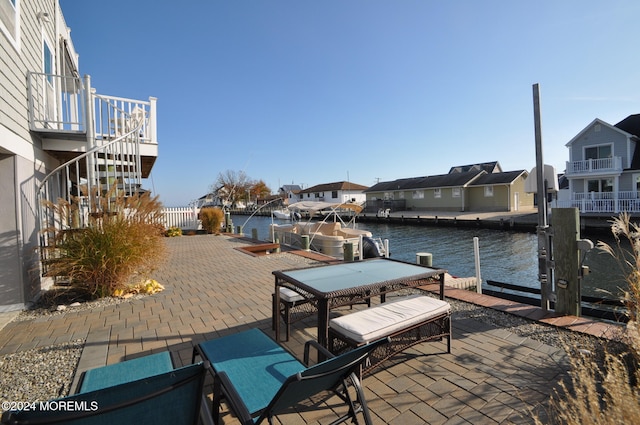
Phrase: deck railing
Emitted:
{"points": [[57, 104], [588, 166], [115, 116], [604, 202]]}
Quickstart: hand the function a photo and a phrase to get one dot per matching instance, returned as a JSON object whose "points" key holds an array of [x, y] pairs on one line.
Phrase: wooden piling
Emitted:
{"points": [[566, 258]]}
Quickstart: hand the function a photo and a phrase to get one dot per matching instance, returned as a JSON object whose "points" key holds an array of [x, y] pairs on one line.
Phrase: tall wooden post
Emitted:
{"points": [[544, 245], [565, 224]]}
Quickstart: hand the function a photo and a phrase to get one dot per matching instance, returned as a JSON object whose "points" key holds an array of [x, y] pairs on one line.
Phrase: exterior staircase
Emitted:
{"points": [[106, 146]]}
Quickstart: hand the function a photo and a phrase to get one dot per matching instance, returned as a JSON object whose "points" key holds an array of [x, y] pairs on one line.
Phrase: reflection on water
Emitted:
{"points": [[505, 256]]}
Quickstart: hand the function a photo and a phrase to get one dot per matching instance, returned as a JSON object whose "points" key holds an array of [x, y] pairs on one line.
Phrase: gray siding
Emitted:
{"points": [[19, 175], [14, 65], [626, 181], [11, 292], [606, 136]]}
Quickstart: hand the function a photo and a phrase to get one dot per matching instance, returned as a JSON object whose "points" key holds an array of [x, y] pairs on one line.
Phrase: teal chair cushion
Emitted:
{"points": [[255, 363], [127, 371], [173, 398]]}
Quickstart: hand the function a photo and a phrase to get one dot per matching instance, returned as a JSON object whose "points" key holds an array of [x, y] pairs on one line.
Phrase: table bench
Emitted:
{"points": [[406, 321], [295, 307]]}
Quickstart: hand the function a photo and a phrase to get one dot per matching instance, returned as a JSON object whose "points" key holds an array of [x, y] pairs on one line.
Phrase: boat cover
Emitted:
{"points": [[315, 206]]}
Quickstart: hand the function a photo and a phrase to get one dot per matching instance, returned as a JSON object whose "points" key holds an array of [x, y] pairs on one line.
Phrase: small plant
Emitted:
{"points": [[148, 287], [173, 231], [211, 218], [122, 241]]}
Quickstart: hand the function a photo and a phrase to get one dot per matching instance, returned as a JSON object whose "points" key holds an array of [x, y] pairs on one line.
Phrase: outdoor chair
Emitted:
{"points": [[125, 393], [259, 379]]}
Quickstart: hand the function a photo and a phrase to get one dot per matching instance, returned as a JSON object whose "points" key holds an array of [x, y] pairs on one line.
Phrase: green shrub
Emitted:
{"points": [[122, 242], [211, 218]]}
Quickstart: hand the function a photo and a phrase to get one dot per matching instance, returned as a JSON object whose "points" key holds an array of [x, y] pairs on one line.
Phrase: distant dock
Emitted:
{"points": [[521, 221]]}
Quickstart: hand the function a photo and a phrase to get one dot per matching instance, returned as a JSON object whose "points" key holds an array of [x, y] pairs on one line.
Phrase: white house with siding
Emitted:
{"points": [[603, 171], [338, 192]]}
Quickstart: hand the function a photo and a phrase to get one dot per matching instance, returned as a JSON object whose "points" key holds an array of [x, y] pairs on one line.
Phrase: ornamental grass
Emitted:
{"points": [[122, 243], [211, 218], [605, 390]]}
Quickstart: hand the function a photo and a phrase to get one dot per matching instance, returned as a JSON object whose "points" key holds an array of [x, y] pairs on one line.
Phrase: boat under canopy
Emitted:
{"points": [[328, 237]]}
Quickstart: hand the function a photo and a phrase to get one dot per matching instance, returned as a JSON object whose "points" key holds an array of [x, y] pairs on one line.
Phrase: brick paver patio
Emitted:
{"points": [[212, 289]]}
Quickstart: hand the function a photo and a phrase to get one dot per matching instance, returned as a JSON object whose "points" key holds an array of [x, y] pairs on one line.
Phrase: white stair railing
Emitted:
{"points": [[112, 163]]}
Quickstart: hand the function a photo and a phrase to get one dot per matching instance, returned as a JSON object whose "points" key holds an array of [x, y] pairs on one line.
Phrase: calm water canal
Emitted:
{"points": [[505, 256]]}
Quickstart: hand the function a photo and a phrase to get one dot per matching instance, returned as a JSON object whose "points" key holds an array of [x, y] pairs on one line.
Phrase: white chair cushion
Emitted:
{"points": [[387, 318], [289, 295]]}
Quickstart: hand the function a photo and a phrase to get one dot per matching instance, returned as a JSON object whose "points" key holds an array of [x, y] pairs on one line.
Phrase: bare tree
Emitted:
{"points": [[231, 186]]}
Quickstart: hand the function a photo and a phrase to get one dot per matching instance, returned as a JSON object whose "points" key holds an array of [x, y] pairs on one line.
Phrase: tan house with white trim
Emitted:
{"points": [[476, 187]]}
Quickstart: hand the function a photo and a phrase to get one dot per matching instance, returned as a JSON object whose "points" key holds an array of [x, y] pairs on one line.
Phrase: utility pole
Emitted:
{"points": [[544, 238]]}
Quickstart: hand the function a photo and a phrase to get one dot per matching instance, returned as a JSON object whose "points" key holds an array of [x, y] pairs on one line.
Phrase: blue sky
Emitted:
{"points": [[311, 92]]}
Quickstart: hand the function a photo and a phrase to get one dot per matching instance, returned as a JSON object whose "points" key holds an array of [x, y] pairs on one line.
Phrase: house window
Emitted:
{"points": [[334, 194], [455, 192], [488, 191], [437, 193], [400, 195], [598, 152], [9, 19], [604, 185], [417, 194], [388, 196], [47, 61]]}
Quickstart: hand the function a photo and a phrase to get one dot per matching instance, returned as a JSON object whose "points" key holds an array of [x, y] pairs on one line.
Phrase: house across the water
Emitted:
{"points": [[603, 171], [475, 187]]}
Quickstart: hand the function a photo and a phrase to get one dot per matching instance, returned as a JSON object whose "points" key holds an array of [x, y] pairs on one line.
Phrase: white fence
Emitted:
{"points": [[182, 217]]}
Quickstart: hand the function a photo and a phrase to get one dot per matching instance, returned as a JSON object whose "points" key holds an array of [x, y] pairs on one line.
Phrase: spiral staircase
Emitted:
{"points": [[105, 146]]}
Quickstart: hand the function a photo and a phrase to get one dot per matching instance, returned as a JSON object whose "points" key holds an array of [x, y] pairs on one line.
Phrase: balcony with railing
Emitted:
{"points": [[71, 118], [591, 167], [604, 202]]}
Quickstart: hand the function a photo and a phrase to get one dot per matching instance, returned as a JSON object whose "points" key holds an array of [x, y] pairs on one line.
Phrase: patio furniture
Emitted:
{"points": [[342, 284], [295, 307], [259, 379], [129, 370], [171, 397], [406, 322], [291, 308]]}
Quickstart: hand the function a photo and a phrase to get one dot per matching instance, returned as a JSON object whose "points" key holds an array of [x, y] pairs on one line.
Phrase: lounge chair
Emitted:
{"points": [[123, 393], [259, 379]]}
